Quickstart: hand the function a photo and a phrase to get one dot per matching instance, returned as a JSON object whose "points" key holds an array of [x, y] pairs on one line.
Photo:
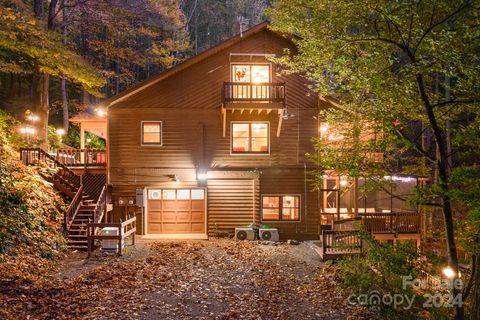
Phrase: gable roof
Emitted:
{"points": [[185, 64]]}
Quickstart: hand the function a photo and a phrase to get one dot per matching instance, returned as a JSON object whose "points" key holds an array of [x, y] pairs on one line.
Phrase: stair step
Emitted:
{"points": [[77, 242], [76, 236]]}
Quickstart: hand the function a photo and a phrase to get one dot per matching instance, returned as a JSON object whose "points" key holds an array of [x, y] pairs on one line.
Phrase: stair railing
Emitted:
{"points": [[100, 206], [33, 156], [73, 208]]}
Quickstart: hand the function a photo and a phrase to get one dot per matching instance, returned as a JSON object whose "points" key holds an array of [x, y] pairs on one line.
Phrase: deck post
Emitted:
{"points": [[89, 241], [82, 143], [120, 228]]}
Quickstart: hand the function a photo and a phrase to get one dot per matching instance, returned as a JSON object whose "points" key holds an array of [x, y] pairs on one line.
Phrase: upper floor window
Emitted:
{"points": [[280, 208], [250, 137], [251, 81], [152, 133], [255, 73]]}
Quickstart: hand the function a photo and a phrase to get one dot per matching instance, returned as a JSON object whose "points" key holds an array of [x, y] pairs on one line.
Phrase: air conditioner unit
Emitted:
{"points": [[110, 244], [269, 234], [244, 234]]}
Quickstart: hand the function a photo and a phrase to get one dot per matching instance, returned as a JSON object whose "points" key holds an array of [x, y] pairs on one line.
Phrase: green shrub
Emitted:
{"points": [[380, 272]]}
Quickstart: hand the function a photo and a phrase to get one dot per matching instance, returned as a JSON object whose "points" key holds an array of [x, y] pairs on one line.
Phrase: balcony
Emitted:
{"points": [[250, 95]]}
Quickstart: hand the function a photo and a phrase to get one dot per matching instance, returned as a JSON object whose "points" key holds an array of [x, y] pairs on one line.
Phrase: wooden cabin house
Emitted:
{"points": [[219, 142], [216, 142]]}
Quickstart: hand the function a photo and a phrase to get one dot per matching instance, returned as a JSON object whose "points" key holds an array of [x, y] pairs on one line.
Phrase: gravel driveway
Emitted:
{"points": [[215, 279]]}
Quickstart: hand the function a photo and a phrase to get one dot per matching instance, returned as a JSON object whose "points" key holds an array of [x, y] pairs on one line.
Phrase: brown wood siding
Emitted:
{"points": [[292, 181], [230, 204], [189, 105]]}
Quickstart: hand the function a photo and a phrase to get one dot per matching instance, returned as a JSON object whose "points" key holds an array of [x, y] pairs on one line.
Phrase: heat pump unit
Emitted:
{"points": [[244, 234], [270, 234], [110, 244]]}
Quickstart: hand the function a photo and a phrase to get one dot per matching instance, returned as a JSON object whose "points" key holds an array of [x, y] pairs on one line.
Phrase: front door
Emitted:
{"points": [[171, 211]]}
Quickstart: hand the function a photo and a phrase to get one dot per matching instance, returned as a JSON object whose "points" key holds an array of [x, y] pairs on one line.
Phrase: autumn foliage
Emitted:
{"points": [[30, 209]]}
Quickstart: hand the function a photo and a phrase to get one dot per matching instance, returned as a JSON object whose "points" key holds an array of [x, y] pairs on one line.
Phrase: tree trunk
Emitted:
{"points": [[41, 105], [38, 8], [64, 80], [65, 104], [443, 178], [475, 311], [40, 89], [51, 14], [85, 98]]}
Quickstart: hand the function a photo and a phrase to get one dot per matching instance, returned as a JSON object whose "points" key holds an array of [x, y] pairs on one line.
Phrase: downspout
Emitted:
{"points": [[306, 196]]}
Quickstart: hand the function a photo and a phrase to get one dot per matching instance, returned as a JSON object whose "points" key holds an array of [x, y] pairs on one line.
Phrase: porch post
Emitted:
{"points": [[82, 143]]}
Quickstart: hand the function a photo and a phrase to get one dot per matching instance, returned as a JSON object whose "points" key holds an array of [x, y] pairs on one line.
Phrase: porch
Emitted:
{"points": [[343, 239]]}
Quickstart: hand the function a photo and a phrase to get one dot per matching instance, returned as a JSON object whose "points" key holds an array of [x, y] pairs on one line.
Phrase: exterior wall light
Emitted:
{"points": [[448, 272], [202, 176]]}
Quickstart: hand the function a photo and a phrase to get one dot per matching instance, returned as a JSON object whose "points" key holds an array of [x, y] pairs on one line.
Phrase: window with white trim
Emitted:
{"points": [[280, 207], [152, 133], [250, 137]]}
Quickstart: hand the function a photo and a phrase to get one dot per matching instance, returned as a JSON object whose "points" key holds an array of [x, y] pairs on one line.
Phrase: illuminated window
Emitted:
{"points": [[281, 208], [152, 133], [257, 76], [250, 137]]}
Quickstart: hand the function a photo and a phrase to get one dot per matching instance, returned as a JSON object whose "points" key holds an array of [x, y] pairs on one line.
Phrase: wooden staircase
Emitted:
{"points": [[83, 209], [77, 232]]}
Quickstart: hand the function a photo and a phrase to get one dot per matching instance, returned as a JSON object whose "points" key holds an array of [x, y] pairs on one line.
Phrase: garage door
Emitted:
{"points": [[176, 211]]}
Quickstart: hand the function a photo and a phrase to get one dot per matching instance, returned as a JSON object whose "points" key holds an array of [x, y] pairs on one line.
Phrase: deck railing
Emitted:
{"points": [[391, 222], [249, 92], [82, 157], [36, 156], [340, 242], [125, 229]]}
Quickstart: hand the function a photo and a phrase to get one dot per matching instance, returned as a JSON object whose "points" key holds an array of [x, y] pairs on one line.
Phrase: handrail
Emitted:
{"points": [[73, 208], [32, 156], [252, 92], [100, 206], [82, 157], [391, 222], [345, 241], [345, 224], [125, 229]]}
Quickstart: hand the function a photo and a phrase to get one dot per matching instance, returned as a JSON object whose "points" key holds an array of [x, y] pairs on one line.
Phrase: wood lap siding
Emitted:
{"points": [[231, 203], [189, 105], [292, 181]]}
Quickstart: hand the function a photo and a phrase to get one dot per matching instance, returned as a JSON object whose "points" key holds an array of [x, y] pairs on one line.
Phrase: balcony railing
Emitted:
{"points": [[248, 92], [82, 157]]}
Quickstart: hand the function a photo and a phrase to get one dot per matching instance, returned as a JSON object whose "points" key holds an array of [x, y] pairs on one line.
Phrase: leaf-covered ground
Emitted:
{"points": [[216, 279]]}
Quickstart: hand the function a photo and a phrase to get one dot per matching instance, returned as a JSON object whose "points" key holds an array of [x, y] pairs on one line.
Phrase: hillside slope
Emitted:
{"points": [[30, 209]]}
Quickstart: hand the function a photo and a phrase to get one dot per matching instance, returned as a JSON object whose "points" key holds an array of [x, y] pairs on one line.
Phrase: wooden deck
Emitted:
{"points": [[344, 240]]}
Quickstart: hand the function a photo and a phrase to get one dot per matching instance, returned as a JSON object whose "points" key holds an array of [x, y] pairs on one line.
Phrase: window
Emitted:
{"points": [[151, 132], [198, 194], [183, 194], [281, 208], [250, 137], [168, 194], [256, 74]]}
